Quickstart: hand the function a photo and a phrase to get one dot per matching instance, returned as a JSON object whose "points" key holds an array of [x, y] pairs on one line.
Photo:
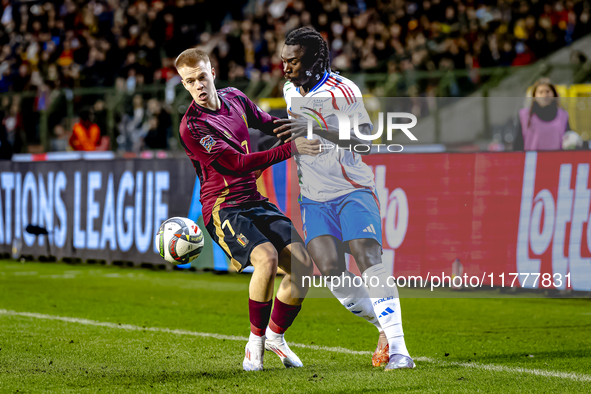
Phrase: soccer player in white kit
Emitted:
{"points": [[339, 208]]}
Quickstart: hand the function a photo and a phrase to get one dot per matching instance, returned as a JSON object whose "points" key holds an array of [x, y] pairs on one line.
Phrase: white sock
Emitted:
{"points": [[354, 298], [386, 305], [255, 338], [272, 335]]}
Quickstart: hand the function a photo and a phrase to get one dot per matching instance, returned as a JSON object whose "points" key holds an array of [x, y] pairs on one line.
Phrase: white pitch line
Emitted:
{"points": [[537, 372], [130, 327]]}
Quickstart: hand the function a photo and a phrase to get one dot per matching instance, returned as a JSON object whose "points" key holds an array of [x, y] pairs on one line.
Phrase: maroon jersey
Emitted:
{"points": [[207, 134]]}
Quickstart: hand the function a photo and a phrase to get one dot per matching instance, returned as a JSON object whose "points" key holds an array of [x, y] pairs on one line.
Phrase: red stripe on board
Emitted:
{"points": [[39, 157], [269, 186]]}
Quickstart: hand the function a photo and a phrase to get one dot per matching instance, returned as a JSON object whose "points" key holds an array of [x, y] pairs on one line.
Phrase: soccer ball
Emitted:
{"points": [[179, 240], [571, 140]]}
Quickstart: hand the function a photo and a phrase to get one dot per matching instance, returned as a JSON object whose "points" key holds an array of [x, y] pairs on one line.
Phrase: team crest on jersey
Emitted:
{"points": [[242, 240], [208, 142], [318, 104]]}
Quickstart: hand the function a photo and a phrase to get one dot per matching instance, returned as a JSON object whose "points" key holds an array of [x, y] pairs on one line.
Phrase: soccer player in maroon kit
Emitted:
{"points": [[250, 230]]}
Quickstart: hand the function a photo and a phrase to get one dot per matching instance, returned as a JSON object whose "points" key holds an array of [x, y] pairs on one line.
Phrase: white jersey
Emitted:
{"points": [[334, 172]]}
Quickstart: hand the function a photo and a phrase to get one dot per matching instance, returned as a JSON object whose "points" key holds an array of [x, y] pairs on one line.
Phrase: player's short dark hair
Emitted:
{"points": [[190, 58], [316, 53]]}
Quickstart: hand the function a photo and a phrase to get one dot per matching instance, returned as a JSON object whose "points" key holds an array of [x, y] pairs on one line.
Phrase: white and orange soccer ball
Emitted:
{"points": [[179, 240], [571, 140]]}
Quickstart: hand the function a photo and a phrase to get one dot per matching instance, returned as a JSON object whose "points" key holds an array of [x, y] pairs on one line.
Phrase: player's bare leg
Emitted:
{"points": [[385, 299], [296, 263], [264, 259], [329, 255]]}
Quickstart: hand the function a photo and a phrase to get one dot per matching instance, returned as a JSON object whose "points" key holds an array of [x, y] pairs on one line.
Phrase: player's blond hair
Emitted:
{"points": [[190, 58]]}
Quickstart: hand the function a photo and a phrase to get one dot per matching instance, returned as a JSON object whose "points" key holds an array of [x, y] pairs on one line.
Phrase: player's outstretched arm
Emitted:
{"points": [[257, 118], [232, 162], [331, 133], [297, 126]]}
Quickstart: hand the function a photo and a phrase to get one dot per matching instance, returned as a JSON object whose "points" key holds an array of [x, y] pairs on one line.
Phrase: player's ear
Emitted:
{"points": [[213, 73]]}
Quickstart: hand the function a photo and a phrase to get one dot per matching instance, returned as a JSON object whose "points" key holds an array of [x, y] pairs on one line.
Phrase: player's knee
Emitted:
{"points": [[308, 265], [304, 259], [330, 268], [367, 252], [265, 258], [364, 244], [269, 263]]}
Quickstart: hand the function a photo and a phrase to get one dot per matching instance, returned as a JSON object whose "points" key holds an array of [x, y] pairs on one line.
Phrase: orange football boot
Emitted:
{"points": [[381, 356]]}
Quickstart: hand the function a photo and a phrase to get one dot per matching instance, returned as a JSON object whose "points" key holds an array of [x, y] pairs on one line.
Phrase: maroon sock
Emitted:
{"points": [[283, 316], [259, 313]]}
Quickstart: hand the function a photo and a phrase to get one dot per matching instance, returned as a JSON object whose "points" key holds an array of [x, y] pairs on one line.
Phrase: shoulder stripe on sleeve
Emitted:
{"points": [[345, 83], [333, 83], [190, 127], [199, 127], [351, 91], [340, 82]]}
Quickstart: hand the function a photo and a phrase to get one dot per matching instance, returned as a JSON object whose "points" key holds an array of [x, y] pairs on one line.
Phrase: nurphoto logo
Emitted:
{"points": [[344, 121]]}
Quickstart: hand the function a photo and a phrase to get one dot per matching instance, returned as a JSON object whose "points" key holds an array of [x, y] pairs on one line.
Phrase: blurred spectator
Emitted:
{"points": [[61, 141], [86, 135], [131, 131], [543, 125], [66, 44], [91, 42], [159, 126], [5, 146], [99, 113], [12, 123]]}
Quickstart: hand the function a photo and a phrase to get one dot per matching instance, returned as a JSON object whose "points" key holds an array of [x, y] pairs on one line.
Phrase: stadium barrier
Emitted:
{"points": [[508, 217], [106, 210], [498, 213]]}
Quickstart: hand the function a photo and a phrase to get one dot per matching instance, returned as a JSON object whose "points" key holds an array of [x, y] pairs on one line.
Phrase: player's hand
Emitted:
{"points": [[290, 129], [307, 147], [258, 173]]}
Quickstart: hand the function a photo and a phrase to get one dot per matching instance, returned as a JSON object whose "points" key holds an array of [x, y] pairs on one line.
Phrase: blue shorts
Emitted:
{"points": [[353, 216]]}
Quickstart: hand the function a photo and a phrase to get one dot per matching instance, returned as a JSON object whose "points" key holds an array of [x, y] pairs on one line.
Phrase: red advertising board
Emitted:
{"points": [[499, 213]]}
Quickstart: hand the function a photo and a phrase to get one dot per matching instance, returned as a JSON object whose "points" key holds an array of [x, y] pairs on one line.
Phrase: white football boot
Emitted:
{"points": [[254, 353], [399, 361], [276, 343]]}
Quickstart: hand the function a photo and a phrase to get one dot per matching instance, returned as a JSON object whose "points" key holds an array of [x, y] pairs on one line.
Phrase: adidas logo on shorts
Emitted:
{"points": [[370, 229]]}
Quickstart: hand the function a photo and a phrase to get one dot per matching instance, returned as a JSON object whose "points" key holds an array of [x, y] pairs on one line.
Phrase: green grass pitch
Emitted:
{"points": [[88, 328]]}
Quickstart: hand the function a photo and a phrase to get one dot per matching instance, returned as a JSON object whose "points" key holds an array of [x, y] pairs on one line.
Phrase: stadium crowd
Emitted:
{"points": [[48, 46]]}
